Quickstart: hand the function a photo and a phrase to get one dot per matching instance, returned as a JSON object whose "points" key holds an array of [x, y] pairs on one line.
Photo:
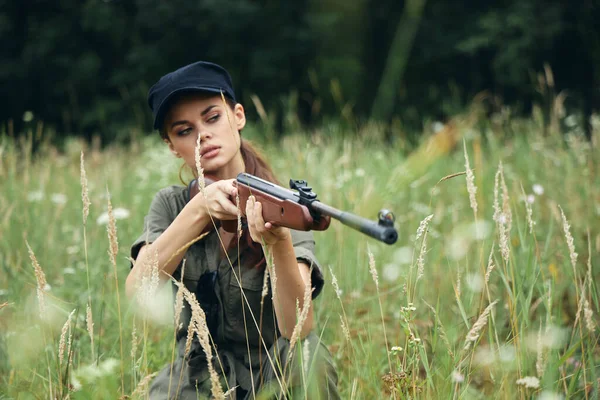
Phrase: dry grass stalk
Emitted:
{"points": [[265, 287], [90, 326], [529, 211], [345, 329], [272, 274], [306, 303], [65, 344], [570, 242], [230, 393], [502, 216], [423, 226], [336, 286], [199, 327], [471, 188], [372, 269], [3, 305], [239, 215], [134, 343], [189, 339], [306, 355], [112, 235], [179, 299], [142, 387], [587, 310], [226, 107], [450, 177], [421, 258], [506, 204], [490, 266], [476, 329], [113, 251], [85, 198], [540, 364], [589, 316], [199, 169], [496, 204], [40, 277]]}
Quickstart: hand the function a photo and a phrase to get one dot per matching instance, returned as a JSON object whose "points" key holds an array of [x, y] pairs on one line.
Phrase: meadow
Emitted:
{"points": [[489, 292]]}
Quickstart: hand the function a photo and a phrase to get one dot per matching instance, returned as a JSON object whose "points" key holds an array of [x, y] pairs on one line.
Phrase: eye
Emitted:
{"points": [[214, 118], [184, 132]]}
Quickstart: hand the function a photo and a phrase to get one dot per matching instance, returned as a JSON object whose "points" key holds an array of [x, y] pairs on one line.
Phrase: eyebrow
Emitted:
{"points": [[203, 113]]}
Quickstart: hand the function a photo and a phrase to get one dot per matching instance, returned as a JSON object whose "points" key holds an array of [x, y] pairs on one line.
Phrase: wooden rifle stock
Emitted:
{"points": [[300, 210]]}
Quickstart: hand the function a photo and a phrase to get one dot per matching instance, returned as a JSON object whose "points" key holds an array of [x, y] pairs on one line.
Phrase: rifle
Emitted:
{"points": [[300, 209]]}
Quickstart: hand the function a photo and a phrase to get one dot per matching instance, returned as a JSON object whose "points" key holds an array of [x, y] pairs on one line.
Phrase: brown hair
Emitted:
{"points": [[255, 164]]}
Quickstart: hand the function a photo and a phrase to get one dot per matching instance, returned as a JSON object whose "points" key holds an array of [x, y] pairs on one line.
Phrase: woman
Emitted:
{"points": [[251, 339]]}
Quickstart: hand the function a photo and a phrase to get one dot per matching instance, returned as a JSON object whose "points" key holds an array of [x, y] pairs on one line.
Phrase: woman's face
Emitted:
{"points": [[218, 126]]}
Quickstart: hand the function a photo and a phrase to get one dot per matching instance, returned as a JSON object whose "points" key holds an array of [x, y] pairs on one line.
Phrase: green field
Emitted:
{"points": [[476, 307]]}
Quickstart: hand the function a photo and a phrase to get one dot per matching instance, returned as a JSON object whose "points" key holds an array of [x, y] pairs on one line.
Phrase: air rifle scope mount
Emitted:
{"points": [[307, 196]]}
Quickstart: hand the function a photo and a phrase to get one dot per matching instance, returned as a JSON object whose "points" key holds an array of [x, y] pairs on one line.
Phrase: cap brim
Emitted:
{"points": [[162, 108]]}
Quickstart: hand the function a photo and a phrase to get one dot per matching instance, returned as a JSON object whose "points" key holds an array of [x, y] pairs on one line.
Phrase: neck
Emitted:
{"points": [[231, 170]]}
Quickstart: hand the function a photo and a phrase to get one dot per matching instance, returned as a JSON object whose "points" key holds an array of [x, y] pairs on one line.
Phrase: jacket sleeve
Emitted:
{"points": [[304, 247], [159, 217]]}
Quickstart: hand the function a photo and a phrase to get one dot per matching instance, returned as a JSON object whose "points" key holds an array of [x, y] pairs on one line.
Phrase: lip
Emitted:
{"points": [[209, 151]]}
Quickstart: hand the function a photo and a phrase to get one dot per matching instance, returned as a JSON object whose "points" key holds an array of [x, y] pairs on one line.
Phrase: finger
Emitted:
{"points": [[229, 208], [259, 217], [250, 218]]}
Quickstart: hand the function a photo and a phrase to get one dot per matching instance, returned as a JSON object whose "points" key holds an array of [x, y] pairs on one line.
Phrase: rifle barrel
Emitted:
{"points": [[386, 234]]}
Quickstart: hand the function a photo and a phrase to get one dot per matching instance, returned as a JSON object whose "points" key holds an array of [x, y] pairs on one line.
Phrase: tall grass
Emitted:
{"points": [[490, 291]]}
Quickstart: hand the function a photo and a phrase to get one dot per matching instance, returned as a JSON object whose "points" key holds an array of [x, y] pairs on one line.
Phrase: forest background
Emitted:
{"points": [[84, 67]]}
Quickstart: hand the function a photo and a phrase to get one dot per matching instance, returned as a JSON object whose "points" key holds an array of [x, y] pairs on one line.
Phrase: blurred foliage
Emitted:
{"points": [[84, 67]]}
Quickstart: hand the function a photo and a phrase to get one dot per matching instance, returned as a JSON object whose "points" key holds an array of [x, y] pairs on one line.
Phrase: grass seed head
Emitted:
{"points": [[569, 238], [85, 198], [372, 268], [40, 277], [64, 343], [90, 326], [199, 169], [303, 315], [471, 188], [478, 326], [112, 234]]}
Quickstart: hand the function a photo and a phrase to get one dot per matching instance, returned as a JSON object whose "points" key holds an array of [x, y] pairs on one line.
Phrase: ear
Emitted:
{"points": [[240, 116], [175, 152]]}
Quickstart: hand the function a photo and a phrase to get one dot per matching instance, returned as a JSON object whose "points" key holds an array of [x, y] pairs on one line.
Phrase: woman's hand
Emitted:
{"points": [[217, 200], [261, 231]]}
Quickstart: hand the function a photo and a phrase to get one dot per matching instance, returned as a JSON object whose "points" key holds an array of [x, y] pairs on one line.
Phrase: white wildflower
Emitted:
{"points": [[58, 198], [529, 382], [457, 377], [391, 272], [474, 282], [538, 189], [35, 196], [118, 213]]}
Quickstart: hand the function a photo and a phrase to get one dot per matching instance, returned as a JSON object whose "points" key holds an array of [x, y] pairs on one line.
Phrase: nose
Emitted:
{"points": [[204, 133]]}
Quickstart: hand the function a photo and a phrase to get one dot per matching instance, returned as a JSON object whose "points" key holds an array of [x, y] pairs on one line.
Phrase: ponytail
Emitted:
{"points": [[255, 163]]}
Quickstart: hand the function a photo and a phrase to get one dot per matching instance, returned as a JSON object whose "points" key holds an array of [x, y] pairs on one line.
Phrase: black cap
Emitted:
{"points": [[200, 76]]}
